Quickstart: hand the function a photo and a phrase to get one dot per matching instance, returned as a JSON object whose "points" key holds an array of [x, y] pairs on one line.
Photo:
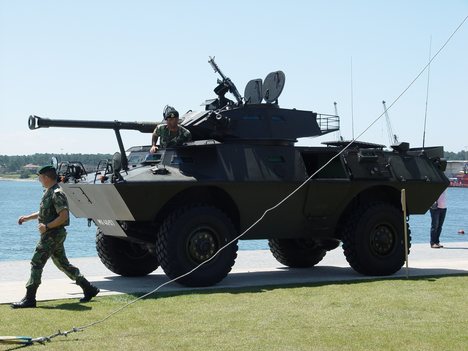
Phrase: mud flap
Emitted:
{"points": [[110, 227]]}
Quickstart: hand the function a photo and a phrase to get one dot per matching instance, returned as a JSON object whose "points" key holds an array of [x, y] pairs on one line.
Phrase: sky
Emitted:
{"points": [[125, 60]]}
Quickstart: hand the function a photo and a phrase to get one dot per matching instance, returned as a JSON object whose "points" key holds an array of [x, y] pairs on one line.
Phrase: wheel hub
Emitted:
{"points": [[307, 244], [202, 244], [136, 251], [382, 240]]}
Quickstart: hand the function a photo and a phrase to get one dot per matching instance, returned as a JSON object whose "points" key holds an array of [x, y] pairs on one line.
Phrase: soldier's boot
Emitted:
{"points": [[29, 301], [89, 290]]}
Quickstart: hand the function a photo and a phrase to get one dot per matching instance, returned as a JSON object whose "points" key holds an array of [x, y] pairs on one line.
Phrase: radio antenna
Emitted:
{"points": [[427, 92], [352, 101]]}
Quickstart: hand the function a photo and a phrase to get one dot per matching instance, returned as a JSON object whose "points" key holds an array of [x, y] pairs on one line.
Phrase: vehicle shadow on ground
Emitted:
{"points": [[266, 280]]}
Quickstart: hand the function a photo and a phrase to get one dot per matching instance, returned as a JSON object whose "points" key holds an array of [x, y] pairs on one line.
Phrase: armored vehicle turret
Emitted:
{"points": [[181, 205]]}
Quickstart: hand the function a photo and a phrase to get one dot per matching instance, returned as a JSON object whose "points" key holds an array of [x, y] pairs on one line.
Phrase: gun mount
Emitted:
{"points": [[178, 209], [224, 86]]}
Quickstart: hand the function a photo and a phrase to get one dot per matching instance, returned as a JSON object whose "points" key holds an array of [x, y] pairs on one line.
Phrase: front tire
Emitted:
{"points": [[373, 239], [192, 235], [123, 257], [296, 253]]}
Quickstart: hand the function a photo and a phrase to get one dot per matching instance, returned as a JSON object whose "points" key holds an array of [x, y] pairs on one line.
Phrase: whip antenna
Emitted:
{"points": [[352, 101], [427, 91]]}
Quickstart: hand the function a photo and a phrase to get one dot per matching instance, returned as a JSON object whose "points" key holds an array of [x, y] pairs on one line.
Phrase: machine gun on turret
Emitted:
{"points": [[224, 85]]}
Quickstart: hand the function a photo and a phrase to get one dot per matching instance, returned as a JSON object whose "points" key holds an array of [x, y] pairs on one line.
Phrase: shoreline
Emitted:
{"points": [[446, 244], [6, 179]]}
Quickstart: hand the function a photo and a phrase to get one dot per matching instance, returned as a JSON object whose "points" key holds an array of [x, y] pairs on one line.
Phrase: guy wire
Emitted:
{"points": [[76, 329], [288, 196]]}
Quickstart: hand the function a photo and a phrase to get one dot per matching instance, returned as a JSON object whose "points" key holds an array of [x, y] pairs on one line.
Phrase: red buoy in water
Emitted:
{"points": [[461, 231]]}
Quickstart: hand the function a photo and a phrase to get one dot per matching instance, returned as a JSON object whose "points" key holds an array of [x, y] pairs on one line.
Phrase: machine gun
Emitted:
{"points": [[35, 122], [225, 84]]}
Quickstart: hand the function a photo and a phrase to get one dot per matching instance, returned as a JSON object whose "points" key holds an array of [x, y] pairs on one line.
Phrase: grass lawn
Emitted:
{"points": [[389, 314]]}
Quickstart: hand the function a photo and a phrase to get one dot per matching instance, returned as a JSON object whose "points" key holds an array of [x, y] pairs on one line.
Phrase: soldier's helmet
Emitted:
{"points": [[170, 112], [46, 169]]}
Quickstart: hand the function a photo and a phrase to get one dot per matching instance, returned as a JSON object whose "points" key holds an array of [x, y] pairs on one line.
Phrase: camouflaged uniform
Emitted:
{"points": [[171, 139], [51, 242]]}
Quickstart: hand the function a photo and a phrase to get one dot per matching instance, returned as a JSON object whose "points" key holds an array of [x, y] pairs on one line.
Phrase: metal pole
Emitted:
{"points": [[405, 230]]}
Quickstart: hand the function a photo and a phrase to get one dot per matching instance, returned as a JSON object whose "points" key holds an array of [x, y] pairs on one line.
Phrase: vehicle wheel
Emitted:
{"points": [[373, 239], [296, 253], [192, 235], [124, 257]]}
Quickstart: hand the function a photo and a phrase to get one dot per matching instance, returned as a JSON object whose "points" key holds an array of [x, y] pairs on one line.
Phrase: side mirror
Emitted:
{"points": [[54, 162]]}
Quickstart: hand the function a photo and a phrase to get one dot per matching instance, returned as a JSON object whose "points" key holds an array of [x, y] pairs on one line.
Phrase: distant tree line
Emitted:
{"points": [[462, 155], [16, 163]]}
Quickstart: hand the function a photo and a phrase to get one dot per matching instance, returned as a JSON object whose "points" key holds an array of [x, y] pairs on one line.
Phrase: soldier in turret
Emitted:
{"points": [[170, 134], [53, 217]]}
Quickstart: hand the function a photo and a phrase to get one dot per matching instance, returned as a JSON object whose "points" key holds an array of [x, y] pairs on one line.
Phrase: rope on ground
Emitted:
{"points": [[43, 340], [26, 340]]}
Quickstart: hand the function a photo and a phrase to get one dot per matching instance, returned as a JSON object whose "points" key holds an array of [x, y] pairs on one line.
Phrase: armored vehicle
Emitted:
{"points": [[178, 207]]}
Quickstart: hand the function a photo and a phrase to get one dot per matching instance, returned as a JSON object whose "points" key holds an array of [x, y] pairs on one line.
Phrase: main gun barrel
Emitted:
{"points": [[35, 122]]}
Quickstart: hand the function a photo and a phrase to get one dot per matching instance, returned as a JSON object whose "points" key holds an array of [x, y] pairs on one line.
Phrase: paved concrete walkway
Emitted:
{"points": [[252, 269]]}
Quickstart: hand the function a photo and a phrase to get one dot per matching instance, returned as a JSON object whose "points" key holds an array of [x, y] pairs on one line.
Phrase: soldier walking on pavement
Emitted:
{"points": [[53, 217]]}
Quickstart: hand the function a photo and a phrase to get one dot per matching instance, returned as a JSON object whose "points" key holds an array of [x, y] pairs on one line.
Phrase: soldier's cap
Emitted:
{"points": [[170, 112], [46, 168]]}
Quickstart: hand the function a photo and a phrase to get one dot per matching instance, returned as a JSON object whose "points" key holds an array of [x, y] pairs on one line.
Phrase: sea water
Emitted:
{"points": [[19, 198]]}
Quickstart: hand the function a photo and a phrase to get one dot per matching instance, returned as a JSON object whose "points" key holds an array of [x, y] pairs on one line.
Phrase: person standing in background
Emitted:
{"points": [[438, 212]]}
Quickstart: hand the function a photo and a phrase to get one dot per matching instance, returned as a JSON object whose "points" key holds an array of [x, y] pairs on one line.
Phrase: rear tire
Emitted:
{"points": [[296, 253], [123, 257], [192, 235], [373, 239]]}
